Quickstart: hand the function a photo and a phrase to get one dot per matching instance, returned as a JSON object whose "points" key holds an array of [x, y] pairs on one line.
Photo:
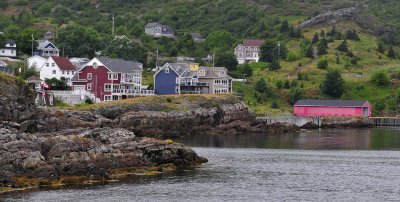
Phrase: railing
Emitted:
{"points": [[128, 80], [76, 92], [133, 92], [194, 84], [191, 92]]}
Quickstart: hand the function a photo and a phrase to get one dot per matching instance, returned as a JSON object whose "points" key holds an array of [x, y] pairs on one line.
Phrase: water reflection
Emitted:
{"points": [[325, 139]]}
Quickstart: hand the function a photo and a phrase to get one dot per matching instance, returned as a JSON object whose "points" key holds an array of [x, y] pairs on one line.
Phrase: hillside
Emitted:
{"points": [[224, 23]]}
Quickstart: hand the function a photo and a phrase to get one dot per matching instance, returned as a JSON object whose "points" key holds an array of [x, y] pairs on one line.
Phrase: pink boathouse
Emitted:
{"points": [[354, 108]]}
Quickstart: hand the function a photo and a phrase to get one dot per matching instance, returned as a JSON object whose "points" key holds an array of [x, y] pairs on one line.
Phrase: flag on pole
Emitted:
{"points": [[45, 85]]}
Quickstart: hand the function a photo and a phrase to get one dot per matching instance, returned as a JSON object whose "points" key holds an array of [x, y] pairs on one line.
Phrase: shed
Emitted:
{"points": [[349, 108]]}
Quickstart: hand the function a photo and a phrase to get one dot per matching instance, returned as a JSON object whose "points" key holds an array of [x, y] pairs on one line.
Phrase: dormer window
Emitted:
{"points": [[166, 70], [222, 72]]}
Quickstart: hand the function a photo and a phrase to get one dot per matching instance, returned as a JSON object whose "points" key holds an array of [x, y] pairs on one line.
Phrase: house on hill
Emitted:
{"points": [[156, 29], [111, 79], [9, 49], [352, 108], [46, 49], [190, 78], [197, 37], [249, 51], [57, 67]]}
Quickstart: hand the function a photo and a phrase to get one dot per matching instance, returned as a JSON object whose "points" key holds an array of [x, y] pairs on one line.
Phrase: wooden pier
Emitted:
{"points": [[386, 121]]}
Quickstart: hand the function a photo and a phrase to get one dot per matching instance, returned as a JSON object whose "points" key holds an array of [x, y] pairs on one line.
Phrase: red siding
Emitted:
{"points": [[329, 111], [101, 73]]}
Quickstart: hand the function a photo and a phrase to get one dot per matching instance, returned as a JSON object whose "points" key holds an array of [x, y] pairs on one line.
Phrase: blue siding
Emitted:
{"points": [[165, 83]]}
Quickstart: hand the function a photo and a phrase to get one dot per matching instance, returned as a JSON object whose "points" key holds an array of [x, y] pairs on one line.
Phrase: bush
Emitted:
{"points": [[295, 95], [261, 86], [343, 47], [279, 84], [88, 101], [274, 65], [380, 78], [323, 64], [274, 105], [286, 85]]}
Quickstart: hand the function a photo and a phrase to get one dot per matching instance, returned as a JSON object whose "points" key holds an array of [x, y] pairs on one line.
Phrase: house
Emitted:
{"points": [[79, 62], [46, 49], [190, 78], [9, 49], [249, 51], [156, 29], [353, 108], [197, 37], [36, 62], [57, 67], [111, 79]]}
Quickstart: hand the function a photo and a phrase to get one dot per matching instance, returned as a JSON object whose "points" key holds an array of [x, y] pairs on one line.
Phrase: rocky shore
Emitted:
{"points": [[84, 155]]}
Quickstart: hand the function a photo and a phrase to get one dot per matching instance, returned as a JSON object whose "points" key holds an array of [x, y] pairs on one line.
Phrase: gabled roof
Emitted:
{"points": [[253, 42], [45, 44], [167, 30], [335, 103], [151, 24], [63, 63], [10, 41], [120, 65]]}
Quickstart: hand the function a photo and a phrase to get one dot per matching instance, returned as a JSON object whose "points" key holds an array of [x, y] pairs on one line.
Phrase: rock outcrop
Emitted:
{"points": [[331, 17], [84, 154]]}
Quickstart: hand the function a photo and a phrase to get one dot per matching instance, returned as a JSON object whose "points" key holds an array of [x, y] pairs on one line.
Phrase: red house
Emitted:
{"points": [[353, 108], [109, 79]]}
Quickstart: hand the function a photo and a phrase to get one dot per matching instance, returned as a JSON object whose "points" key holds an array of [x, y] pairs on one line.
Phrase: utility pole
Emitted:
{"points": [[32, 44], [113, 24], [214, 59], [157, 59], [279, 51]]}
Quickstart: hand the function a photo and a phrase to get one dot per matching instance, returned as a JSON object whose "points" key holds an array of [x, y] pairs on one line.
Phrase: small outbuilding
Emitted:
{"points": [[352, 108]]}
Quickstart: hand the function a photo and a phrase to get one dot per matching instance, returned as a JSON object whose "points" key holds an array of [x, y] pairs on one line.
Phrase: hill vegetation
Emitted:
{"points": [[362, 50]]}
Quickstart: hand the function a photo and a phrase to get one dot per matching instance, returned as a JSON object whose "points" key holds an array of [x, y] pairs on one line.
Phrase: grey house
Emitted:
{"points": [[156, 29]]}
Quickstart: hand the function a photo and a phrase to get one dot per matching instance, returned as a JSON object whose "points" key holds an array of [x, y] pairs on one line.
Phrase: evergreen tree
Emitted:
{"points": [[270, 51], [261, 86], [322, 64], [333, 32], [274, 65], [295, 95], [323, 47], [246, 69], [322, 34], [310, 52], [343, 47], [286, 85], [381, 49], [337, 59], [380, 78], [391, 53], [315, 39], [333, 84], [284, 26], [352, 35]]}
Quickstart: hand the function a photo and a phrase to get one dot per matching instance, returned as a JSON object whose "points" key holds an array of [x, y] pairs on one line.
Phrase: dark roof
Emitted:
{"points": [[253, 42], [10, 41], [63, 63], [338, 103], [151, 24], [120, 65]]}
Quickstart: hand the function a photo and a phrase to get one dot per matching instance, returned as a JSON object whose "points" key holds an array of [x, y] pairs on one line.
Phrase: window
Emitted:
{"points": [[95, 65], [47, 64], [89, 76], [177, 80], [107, 87], [72, 72], [112, 76], [54, 71], [107, 98], [222, 72], [12, 51], [63, 72], [89, 86], [67, 72], [53, 64], [166, 70], [176, 89]]}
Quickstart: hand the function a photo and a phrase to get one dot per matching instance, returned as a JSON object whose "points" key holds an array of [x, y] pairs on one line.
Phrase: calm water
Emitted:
{"points": [[327, 165]]}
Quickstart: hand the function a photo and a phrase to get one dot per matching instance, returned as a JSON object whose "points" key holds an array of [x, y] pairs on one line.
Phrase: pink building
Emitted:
{"points": [[352, 108]]}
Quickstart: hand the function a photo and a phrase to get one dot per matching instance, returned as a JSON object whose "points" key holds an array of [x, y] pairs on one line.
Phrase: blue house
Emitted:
{"points": [[190, 78], [47, 49]]}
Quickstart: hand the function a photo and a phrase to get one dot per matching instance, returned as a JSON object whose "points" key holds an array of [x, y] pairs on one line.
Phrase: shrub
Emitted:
{"points": [[380, 78], [323, 64], [261, 86], [274, 65]]}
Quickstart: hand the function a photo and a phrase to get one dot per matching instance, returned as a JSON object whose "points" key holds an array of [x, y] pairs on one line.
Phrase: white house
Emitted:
{"points": [[36, 62], [46, 49], [249, 51], [156, 29], [9, 49], [57, 67]]}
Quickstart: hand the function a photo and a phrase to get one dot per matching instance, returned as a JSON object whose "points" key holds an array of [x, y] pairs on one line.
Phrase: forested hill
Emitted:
{"points": [[359, 40]]}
